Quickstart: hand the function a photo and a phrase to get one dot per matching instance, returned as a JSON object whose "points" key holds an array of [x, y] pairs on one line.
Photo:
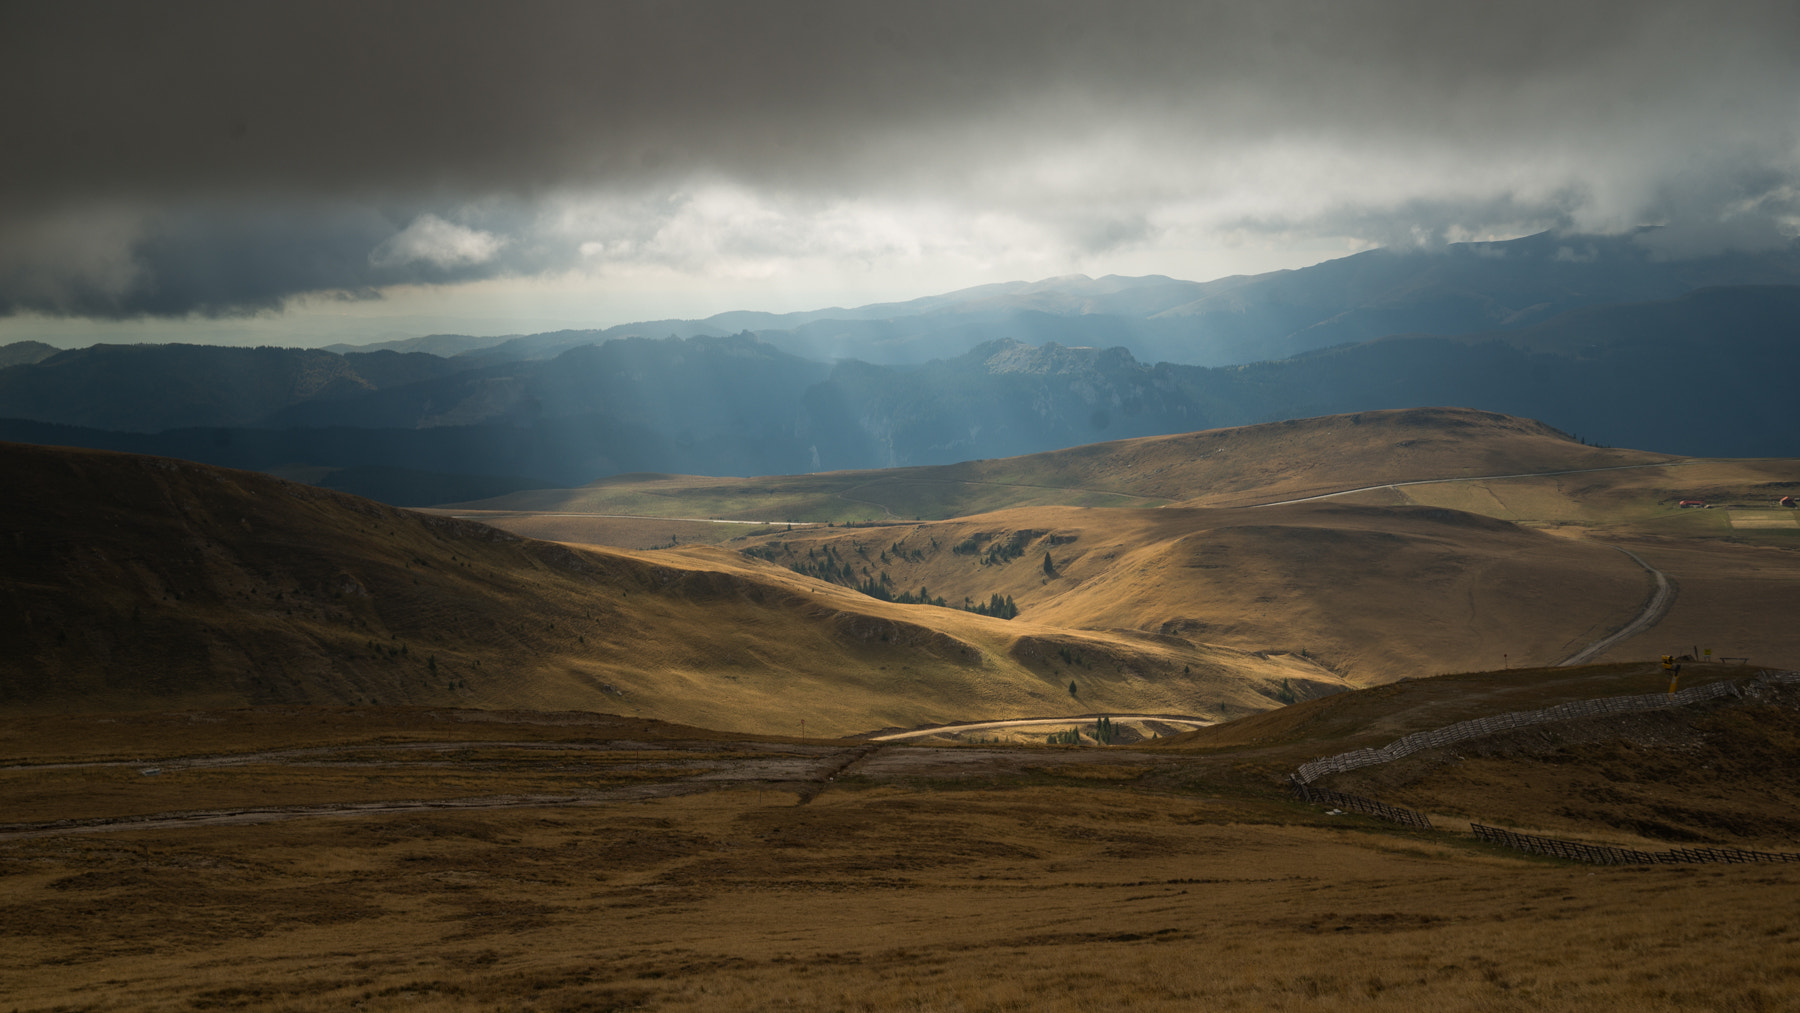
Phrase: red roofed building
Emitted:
{"points": [[1688, 504]]}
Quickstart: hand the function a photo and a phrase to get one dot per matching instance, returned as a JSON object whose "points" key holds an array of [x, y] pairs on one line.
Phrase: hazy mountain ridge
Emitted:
{"points": [[25, 353], [1464, 288], [1460, 288], [565, 408], [1706, 374], [149, 388]]}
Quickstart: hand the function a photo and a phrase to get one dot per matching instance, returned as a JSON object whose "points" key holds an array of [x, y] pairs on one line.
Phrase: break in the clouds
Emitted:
{"points": [[185, 158], [431, 240]]}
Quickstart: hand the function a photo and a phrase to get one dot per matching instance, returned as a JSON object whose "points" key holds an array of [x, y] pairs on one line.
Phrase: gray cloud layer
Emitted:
{"points": [[172, 158]]}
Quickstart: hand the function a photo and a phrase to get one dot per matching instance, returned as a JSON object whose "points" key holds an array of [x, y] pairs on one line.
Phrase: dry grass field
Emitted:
{"points": [[1371, 594], [264, 746], [1637, 501], [389, 859], [143, 583], [1218, 467], [1371, 585]]}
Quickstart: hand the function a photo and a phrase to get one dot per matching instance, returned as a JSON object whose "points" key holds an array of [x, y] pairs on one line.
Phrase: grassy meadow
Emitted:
{"points": [[388, 859], [1219, 467], [263, 746]]}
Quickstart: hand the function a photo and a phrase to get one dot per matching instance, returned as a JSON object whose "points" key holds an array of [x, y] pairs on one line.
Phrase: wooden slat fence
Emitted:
{"points": [[1463, 731], [1300, 781], [1600, 854], [1357, 803]]}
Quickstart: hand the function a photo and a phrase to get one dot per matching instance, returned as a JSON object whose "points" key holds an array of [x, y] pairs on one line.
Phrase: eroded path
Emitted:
{"points": [[1472, 478], [596, 773], [374, 779], [1654, 610], [1187, 721]]}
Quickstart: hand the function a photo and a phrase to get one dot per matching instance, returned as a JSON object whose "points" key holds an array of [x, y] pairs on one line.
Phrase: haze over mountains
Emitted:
{"points": [[1459, 289], [1599, 336]]}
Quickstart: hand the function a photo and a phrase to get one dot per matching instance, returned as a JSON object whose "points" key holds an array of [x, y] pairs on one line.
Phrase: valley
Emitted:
{"points": [[699, 506], [897, 400], [1384, 545], [264, 745]]}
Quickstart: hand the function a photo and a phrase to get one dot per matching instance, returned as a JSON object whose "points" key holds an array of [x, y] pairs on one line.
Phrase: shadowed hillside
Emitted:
{"points": [[134, 582]]}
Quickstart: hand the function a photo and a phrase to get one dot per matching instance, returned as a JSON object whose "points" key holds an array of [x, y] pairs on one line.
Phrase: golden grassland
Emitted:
{"points": [[143, 583], [418, 810], [1370, 586], [1635, 502], [835, 878], [1371, 594], [1218, 467]]}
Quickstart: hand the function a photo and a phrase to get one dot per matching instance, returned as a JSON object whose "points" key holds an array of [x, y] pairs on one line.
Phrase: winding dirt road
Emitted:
{"points": [[976, 726], [1658, 606], [1472, 478], [802, 769]]}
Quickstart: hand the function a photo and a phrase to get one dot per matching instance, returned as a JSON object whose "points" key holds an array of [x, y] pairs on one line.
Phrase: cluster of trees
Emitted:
{"points": [[1001, 553], [881, 588], [901, 552], [825, 563], [1104, 732], [996, 606]]}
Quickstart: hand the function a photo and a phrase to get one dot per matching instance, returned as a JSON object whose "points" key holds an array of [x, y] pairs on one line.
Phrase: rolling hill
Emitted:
{"points": [[1239, 466], [140, 583], [1475, 540]]}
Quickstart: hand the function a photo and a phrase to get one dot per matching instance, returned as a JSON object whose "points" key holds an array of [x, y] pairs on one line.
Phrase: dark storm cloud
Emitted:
{"points": [[136, 136]]}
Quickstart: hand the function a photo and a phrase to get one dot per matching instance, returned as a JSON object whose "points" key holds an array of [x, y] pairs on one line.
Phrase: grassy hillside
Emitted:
{"points": [[1635, 502], [1218, 467], [1399, 580], [134, 582], [1371, 593], [1716, 772]]}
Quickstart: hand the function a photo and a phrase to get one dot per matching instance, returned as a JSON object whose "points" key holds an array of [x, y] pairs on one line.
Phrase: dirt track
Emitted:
{"points": [[1472, 478], [685, 768], [803, 770], [919, 733], [1654, 610]]}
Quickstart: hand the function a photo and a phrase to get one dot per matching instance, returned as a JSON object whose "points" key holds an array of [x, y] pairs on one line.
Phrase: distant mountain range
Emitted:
{"points": [[1464, 288], [1521, 328]]}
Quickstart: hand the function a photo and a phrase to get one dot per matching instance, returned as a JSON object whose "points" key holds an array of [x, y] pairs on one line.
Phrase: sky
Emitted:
{"points": [[308, 173]]}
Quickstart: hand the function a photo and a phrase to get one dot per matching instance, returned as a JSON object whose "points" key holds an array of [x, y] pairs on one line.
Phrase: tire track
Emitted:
{"points": [[1661, 600]]}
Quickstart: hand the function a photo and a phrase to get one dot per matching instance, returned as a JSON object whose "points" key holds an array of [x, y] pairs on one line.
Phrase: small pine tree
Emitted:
{"points": [[1049, 567], [1072, 687]]}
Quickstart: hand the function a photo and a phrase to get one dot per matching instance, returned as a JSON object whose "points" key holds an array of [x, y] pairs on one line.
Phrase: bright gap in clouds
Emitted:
{"points": [[704, 250]]}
